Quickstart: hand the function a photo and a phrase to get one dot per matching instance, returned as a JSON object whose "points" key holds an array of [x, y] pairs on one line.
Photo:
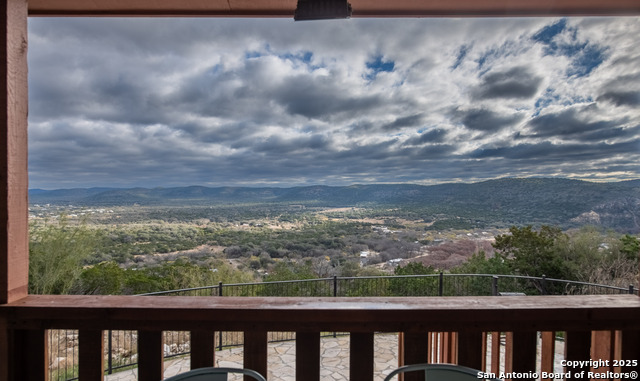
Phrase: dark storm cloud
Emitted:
{"points": [[612, 133], [570, 124], [622, 90], [359, 127], [435, 151], [518, 82], [436, 135], [229, 133], [321, 98], [481, 119], [546, 152], [281, 146], [365, 152], [107, 97], [621, 98], [406, 121], [506, 50], [224, 93]]}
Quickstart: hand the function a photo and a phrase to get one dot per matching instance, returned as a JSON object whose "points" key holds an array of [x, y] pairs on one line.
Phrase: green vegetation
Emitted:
{"points": [[123, 253], [630, 247], [107, 278], [57, 252], [585, 255], [414, 286], [533, 253]]}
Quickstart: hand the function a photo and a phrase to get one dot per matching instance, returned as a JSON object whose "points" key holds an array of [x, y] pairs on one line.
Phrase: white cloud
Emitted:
{"points": [[149, 102]]}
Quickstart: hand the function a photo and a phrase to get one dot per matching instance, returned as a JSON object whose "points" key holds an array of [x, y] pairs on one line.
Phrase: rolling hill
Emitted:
{"points": [[561, 202]]}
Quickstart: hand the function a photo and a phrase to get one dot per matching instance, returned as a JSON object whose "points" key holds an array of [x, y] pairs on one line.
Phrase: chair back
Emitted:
{"points": [[214, 374], [441, 372]]}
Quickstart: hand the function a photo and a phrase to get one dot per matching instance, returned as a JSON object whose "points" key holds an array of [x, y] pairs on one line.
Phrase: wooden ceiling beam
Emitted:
{"points": [[361, 8]]}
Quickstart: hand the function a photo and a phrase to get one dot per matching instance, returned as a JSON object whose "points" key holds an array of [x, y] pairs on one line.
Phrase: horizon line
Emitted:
{"points": [[597, 181]]}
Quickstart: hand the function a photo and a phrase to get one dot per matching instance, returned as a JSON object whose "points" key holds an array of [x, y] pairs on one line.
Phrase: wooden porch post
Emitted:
{"points": [[255, 352], [548, 347], [577, 347], [416, 351], [91, 357], [14, 225], [203, 349], [630, 345], [308, 356], [14, 237], [603, 345], [27, 355], [469, 345], [361, 352], [150, 355], [520, 352]]}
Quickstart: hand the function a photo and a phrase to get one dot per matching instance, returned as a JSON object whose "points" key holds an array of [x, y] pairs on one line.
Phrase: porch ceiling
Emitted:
{"points": [[361, 8]]}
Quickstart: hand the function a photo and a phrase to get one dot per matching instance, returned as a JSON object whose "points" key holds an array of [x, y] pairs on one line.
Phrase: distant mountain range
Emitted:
{"points": [[533, 200]]}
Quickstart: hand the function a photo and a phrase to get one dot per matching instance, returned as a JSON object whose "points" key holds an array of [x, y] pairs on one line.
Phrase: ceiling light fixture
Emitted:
{"points": [[322, 10]]}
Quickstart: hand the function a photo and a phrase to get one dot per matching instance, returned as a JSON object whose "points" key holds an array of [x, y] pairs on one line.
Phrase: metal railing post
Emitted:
{"points": [[441, 284], [220, 332], [543, 285], [494, 285], [632, 291], [335, 294]]}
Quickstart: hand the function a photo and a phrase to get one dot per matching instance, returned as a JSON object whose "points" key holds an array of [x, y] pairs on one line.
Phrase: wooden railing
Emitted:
{"points": [[603, 327]]}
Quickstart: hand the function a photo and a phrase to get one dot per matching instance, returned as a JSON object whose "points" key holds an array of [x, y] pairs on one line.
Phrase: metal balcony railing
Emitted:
{"points": [[121, 346]]}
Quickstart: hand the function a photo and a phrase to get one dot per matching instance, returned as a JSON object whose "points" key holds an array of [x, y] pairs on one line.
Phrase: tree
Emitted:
{"points": [[290, 270], [142, 282], [414, 286], [618, 262], [285, 271], [478, 264], [105, 278], [583, 250], [630, 247], [56, 254], [533, 253]]}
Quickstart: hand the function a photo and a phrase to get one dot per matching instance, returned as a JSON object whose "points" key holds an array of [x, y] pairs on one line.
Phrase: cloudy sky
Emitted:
{"points": [[216, 102]]}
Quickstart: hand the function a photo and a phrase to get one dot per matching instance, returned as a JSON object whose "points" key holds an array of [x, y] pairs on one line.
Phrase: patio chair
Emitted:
{"points": [[441, 372], [214, 374]]}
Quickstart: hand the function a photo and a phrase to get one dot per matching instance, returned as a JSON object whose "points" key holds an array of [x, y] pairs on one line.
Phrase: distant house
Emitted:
{"points": [[364, 257], [395, 262]]}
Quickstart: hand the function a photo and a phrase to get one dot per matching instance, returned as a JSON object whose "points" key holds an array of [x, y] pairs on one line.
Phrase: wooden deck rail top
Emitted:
{"points": [[390, 314]]}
